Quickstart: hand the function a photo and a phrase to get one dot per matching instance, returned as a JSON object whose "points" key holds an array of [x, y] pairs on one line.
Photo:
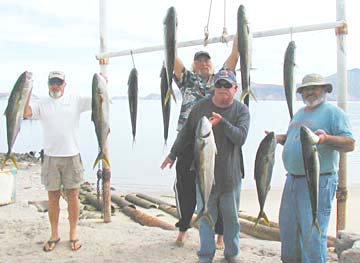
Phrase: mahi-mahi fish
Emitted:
{"points": [[205, 151], [264, 164], [312, 169], [133, 99], [100, 115], [165, 107], [244, 47], [170, 25], [289, 76], [14, 111]]}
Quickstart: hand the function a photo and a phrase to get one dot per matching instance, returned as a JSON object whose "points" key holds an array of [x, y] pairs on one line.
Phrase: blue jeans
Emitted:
{"points": [[296, 219], [228, 203]]}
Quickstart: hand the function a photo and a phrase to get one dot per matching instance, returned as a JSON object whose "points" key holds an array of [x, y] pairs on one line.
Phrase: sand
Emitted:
{"points": [[23, 230]]}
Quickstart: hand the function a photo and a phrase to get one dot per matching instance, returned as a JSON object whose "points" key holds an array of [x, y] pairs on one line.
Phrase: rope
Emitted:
{"points": [[132, 57], [224, 36], [206, 28]]}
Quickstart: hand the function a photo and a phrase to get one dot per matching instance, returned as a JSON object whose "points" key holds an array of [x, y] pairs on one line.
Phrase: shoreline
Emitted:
{"points": [[25, 230]]}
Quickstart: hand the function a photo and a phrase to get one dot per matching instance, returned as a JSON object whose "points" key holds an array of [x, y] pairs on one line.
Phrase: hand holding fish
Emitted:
{"points": [[215, 119], [280, 138], [322, 135], [167, 161]]}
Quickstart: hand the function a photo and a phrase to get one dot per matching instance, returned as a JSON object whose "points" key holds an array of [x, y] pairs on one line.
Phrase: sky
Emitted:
{"points": [[41, 35]]}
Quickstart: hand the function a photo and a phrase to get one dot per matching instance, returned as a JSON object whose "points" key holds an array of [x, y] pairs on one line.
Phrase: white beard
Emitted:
{"points": [[314, 103], [55, 95]]}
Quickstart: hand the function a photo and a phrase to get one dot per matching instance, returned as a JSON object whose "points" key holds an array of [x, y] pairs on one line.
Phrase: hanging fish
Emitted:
{"points": [[289, 77], [170, 25], [244, 47], [133, 99], [165, 107], [14, 111], [100, 115]]}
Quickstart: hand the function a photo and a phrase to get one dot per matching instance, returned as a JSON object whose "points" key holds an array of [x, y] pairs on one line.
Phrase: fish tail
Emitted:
{"points": [[316, 225], [207, 215], [263, 216], [12, 157], [169, 93], [101, 156], [198, 216], [248, 92]]}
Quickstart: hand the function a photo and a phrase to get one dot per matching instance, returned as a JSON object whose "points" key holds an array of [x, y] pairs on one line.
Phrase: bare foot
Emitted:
{"points": [[180, 241], [220, 242]]}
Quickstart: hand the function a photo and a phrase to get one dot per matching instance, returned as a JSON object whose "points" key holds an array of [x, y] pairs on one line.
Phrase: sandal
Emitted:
{"points": [[51, 244], [73, 244]]}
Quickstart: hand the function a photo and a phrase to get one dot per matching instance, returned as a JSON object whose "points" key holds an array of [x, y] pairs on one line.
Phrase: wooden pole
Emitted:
{"points": [[106, 171], [341, 33]]}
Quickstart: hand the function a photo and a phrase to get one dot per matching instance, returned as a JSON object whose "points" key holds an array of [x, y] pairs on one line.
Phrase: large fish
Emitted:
{"points": [[205, 151], [165, 107], [264, 163], [170, 25], [289, 77], [14, 111], [100, 115], [133, 99], [244, 46], [312, 169]]}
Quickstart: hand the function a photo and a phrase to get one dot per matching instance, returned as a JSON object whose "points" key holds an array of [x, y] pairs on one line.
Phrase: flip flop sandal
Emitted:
{"points": [[73, 245], [51, 245]]}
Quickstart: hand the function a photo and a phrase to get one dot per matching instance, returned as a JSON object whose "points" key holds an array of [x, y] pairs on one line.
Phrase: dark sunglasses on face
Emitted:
{"points": [[225, 84], [55, 82]]}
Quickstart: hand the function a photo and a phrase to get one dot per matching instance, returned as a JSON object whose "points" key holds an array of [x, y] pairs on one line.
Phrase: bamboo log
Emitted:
{"points": [[253, 219], [140, 202], [121, 202], [98, 204], [169, 209], [153, 199], [145, 219], [262, 232]]}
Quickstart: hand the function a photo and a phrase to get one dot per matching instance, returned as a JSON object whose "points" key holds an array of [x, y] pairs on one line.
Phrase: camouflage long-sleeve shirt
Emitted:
{"points": [[192, 89]]}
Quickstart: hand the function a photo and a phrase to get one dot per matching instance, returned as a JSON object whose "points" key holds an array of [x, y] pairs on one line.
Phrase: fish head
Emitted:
{"points": [[204, 128], [308, 135], [170, 15], [98, 83]]}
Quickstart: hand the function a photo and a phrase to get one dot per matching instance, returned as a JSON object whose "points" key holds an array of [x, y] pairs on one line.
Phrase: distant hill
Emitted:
{"points": [[276, 92]]}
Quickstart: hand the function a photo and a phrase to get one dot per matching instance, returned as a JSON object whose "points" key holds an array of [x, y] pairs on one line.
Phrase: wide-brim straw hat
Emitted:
{"points": [[314, 80]]}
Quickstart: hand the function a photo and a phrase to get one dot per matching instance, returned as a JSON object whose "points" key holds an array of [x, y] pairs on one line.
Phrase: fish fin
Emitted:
{"points": [[209, 218], [316, 225], [263, 216], [101, 156], [12, 157], [251, 93], [169, 93]]}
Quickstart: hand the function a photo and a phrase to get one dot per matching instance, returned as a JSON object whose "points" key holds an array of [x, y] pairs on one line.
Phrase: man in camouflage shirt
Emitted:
{"points": [[194, 86]]}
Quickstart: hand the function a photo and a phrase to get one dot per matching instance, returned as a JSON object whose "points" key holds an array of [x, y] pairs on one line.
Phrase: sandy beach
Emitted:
{"points": [[23, 230]]}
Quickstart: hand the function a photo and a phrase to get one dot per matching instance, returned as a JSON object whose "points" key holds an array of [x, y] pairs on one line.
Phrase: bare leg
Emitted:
{"points": [[53, 213], [180, 241], [73, 210], [220, 242]]}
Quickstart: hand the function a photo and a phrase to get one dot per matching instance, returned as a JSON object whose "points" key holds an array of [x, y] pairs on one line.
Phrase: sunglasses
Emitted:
{"points": [[56, 82], [225, 84]]}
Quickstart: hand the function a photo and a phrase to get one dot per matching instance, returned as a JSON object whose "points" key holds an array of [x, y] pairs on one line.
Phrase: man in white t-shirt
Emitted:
{"points": [[59, 115]]}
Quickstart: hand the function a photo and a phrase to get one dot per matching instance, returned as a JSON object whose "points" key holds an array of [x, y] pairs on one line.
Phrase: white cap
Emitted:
{"points": [[57, 74]]}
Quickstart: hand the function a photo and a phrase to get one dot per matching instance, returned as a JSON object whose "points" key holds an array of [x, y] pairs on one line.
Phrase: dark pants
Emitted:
{"points": [[185, 193]]}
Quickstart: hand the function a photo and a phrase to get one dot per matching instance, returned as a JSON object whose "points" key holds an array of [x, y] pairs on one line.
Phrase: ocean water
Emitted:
{"points": [[138, 165]]}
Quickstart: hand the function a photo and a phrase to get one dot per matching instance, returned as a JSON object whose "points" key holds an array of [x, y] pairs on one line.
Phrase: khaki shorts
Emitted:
{"points": [[62, 171]]}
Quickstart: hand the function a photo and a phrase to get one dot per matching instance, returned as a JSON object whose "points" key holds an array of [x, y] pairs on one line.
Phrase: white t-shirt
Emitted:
{"points": [[60, 121]]}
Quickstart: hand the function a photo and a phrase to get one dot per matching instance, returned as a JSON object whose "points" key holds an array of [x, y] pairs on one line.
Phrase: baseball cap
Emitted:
{"points": [[56, 74], [200, 54], [226, 74], [314, 80]]}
